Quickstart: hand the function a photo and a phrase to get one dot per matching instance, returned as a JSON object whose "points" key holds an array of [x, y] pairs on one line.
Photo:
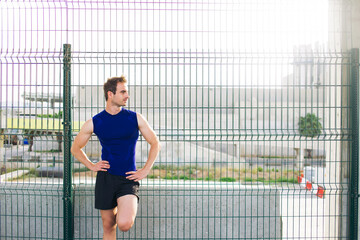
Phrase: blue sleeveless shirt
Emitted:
{"points": [[118, 135]]}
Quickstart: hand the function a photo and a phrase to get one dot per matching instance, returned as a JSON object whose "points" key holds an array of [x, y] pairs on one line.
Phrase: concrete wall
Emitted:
{"points": [[31, 211], [167, 210]]}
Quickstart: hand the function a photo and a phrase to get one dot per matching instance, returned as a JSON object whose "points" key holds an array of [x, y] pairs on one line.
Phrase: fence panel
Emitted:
{"points": [[251, 100]]}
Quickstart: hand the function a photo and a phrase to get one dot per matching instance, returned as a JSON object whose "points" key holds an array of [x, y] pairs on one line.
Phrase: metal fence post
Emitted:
{"points": [[355, 144], [67, 184]]}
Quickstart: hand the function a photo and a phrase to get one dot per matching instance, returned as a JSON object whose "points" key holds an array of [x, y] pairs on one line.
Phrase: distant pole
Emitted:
{"points": [[67, 184]]}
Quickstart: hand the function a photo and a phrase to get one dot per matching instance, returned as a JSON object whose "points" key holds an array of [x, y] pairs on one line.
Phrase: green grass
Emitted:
{"points": [[170, 172], [160, 167], [171, 178], [249, 179], [175, 177], [186, 177], [288, 180], [56, 115], [278, 180], [82, 169], [206, 179], [227, 179], [31, 173], [209, 179], [314, 157], [47, 151], [257, 174]]}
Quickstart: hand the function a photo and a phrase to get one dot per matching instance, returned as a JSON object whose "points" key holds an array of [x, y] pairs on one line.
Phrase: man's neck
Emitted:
{"points": [[113, 110]]}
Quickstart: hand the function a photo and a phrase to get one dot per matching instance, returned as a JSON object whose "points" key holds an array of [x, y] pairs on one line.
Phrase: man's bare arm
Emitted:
{"points": [[150, 136], [80, 141]]}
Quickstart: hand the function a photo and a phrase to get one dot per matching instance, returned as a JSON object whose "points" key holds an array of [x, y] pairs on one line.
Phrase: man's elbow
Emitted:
{"points": [[73, 150], [158, 144]]}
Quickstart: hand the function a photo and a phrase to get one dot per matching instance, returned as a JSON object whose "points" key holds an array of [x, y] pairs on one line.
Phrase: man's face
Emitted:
{"points": [[122, 95]]}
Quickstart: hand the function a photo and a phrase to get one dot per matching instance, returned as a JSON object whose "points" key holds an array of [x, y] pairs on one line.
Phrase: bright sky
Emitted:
{"points": [[261, 33]]}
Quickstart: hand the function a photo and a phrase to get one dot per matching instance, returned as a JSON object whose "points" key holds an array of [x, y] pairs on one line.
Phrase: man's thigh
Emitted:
{"points": [[127, 206]]}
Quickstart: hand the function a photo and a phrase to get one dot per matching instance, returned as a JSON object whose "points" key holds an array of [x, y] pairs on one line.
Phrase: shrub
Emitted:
{"points": [[310, 126], [56, 115]]}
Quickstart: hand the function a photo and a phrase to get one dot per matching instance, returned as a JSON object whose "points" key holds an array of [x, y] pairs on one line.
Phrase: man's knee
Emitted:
{"points": [[124, 225]]}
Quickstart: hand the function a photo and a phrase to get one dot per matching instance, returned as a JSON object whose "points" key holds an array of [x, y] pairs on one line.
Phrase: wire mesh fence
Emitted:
{"points": [[251, 100]]}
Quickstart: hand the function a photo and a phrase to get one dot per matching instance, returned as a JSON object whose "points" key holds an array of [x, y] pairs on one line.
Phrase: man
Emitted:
{"points": [[117, 180]]}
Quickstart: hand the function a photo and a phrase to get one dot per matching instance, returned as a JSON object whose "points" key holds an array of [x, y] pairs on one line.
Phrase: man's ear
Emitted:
{"points": [[110, 93]]}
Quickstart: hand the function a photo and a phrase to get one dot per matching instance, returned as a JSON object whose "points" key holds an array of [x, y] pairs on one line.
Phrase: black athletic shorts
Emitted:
{"points": [[109, 188]]}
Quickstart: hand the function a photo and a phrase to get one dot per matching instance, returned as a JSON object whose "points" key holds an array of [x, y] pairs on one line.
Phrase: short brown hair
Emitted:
{"points": [[111, 83]]}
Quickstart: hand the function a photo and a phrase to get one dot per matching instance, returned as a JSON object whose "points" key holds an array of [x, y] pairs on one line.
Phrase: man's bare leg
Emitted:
{"points": [[109, 223], [126, 212]]}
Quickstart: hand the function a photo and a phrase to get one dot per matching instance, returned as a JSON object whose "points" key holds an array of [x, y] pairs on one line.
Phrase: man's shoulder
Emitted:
{"points": [[88, 126]]}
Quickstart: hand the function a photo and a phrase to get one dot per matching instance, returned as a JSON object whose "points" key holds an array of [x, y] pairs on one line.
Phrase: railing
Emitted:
{"points": [[259, 136]]}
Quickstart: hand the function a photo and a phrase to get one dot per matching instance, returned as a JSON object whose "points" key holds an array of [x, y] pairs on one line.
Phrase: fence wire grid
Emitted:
{"points": [[254, 102]]}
